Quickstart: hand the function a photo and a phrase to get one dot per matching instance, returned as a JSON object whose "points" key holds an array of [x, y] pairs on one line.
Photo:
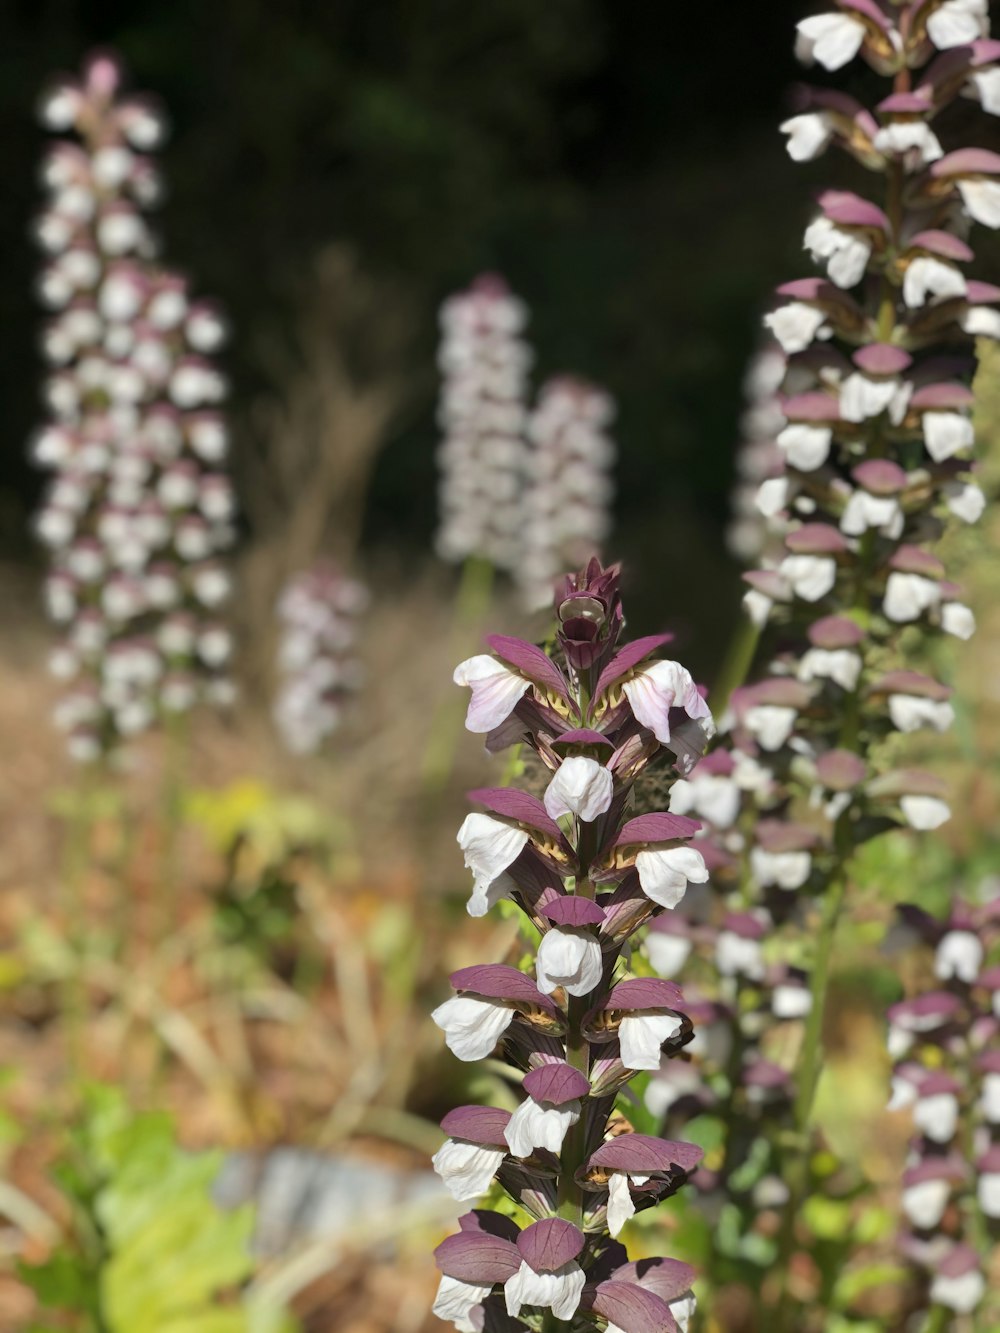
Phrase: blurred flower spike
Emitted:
{"points": [[588, 874], [137, 509], [319, 672]]}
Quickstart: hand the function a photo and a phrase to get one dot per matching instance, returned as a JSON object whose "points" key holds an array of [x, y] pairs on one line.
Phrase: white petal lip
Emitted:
{"points": [[957, 22], [830, 39], [455, 1298], [927, 277], [910, 712], [664, 874], [936, 1116], [496, 691], [958, 620], [471, 1026], [795, 325], [667, 954], [620, 1204], [539, 1126], [490, 846], [735, 954], [657, 688], [965, 500], [961, 1294], [559, 1291], [924, 812], [642, 1035], [808, 135], [467, 1169], [908, 596], [846, 254], [840, 665], [806, 447], [945, 433], [568, 958], [959, 954], [788, 870], [811, 576], [771, 724], [924, 1204], [579, 786]]}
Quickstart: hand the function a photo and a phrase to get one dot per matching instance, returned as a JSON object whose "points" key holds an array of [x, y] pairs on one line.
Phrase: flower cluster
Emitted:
{"points": [[875, 441], [587, 873], [527, 491], [318, 610], [136, 511], [735, 1064], [945, 1043], [484, 363], [758, 458], [568, 484]]}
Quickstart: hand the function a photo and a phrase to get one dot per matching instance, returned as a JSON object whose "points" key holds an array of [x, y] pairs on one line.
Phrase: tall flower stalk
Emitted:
{"points": [[877, 440], [137, 509], [587, 874], [318, 611]]}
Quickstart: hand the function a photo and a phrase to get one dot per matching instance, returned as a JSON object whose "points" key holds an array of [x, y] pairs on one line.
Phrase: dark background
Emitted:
{"points": [[618, 162]]}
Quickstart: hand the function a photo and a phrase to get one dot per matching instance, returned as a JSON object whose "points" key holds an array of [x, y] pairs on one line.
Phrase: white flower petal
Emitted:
{"points": [[945, 433], [667, 954], [808, 135], [455, 1299], [961, 1294], [579, 786], [806, 447], [559, 1291], [909, 712], [927, 277], [924, 812], [467, 1169], [786, 870], [665, 873], [937, 1116], [496, 691], [795, 325], [958, 620], [958, 22], [907, 596], [657, 688], [570, 958], [965, 500], [540, 1126], [490, 846], [620, 1204], [959, 954], [811, 576], [924, 1203], [472, 1026], [830, 39], [642, 1035]]}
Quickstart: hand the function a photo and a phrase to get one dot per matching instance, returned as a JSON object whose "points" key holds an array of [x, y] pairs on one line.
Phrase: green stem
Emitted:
{"points": [[76, 859], [806, 1083], [736, 664], [471, 603], [937, 1320]]}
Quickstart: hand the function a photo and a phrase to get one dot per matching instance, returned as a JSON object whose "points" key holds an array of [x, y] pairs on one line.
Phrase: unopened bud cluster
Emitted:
{"points": [[137, 508], [526, 488], [945, 1043], [318, 611], [575, 1027]]}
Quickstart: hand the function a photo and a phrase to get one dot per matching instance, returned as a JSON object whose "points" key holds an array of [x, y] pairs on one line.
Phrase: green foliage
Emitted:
{"points": [[149, 1252]]}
